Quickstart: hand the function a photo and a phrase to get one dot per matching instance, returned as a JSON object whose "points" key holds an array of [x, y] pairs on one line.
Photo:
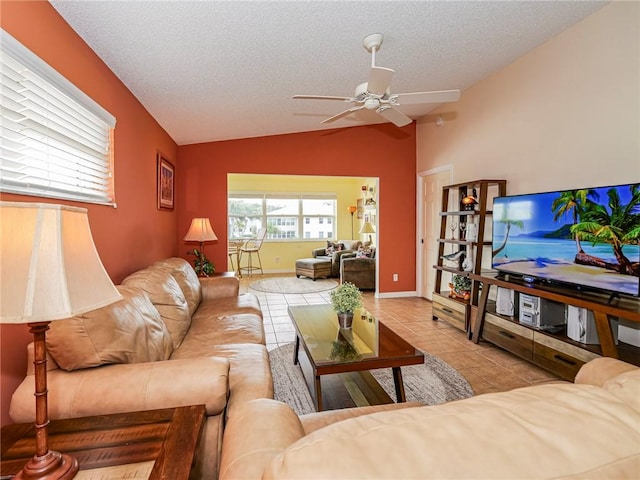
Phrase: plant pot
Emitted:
{"points": [[345, 320]]}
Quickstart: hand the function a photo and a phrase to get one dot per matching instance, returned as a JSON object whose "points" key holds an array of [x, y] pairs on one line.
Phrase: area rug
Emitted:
{"points": [[432, 383], [293, 285]]}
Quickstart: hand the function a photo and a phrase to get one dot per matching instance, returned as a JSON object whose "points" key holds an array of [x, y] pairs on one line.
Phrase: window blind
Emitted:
{"points": [[55, 141]]}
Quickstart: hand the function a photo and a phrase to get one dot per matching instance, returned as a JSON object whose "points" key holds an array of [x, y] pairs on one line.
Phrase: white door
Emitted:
{"points": [[430, 186]]}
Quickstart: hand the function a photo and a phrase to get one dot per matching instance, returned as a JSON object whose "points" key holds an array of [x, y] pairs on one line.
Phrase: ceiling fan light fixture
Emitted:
{"points": [[372, 103]]}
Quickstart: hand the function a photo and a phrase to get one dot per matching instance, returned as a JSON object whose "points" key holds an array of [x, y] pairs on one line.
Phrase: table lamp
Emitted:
{"points": [[49, 270], [352, 209], [368, 228], [200, 231]]}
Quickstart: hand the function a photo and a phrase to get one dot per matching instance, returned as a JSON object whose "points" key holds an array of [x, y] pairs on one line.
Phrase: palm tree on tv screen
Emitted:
{"points": [[616, 224], [573, 202]]}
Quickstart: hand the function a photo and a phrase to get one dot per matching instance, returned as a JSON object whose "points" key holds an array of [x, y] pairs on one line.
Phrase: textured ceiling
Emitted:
{"points": [[217, 70]]}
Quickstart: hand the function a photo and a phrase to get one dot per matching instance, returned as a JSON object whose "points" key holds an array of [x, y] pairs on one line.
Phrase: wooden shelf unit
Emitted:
{"points": [[455, 310]]}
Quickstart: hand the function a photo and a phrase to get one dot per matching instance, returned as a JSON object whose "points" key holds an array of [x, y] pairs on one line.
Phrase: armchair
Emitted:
{"points": [[346, 247], [359, 271]]}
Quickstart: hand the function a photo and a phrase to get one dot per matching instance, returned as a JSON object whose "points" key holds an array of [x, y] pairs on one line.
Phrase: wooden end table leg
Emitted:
{"points": [[318, 390], [296, 347], [397, 380]]}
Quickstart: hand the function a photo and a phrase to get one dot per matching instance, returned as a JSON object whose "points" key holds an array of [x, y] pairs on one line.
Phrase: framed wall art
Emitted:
{"points": [[166, 184]]}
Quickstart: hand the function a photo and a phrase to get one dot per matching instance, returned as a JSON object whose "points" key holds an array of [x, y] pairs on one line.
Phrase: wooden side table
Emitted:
{"points": [[154, 444]]}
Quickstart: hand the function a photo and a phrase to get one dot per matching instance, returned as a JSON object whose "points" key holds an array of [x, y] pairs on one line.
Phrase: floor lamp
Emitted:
{"points": [[352, 209], [49, 270]]}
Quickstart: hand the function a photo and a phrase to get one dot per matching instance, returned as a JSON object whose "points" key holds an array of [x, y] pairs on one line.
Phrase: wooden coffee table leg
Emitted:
{"points": [[318, 394], [397, 380], [295, 350]]}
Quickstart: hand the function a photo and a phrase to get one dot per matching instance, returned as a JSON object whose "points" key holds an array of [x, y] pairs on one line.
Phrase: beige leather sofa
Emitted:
{"points": [[173, 340], [589, 430]]}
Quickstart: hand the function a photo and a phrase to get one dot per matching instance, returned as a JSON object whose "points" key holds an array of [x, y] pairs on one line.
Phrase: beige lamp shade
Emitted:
{"points": [[49, 266], [367, 228], [200, 231]]}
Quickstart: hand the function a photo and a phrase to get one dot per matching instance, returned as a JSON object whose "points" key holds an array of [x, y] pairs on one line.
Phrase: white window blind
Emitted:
{"points": [[55, 141]]}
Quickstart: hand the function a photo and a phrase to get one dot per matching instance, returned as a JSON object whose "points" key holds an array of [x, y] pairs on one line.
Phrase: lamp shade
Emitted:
{"points": [[49, 266], [352, 209], [367, 228], [200, 231]]}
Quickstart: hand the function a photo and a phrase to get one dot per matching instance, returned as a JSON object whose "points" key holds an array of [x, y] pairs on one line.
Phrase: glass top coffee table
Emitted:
{"points": [[368, 345]]}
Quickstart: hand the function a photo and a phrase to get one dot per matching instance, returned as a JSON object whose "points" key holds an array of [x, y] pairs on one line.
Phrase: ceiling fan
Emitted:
{"points": [[375, 95]]}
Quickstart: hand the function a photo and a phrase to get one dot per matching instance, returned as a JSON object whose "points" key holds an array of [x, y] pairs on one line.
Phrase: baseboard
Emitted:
{"points": [[396, 294]]}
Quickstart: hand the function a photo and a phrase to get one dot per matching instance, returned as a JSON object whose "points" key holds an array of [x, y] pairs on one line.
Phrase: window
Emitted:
{"points": [[287, 217], [55, 141]]}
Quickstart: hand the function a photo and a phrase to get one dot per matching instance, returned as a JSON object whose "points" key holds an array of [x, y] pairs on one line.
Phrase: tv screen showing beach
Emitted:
{"points": [[587, 237]]}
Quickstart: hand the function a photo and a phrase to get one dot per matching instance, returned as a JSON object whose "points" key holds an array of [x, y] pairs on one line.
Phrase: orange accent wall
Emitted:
{"points": [[383, 151], [128, 237]]}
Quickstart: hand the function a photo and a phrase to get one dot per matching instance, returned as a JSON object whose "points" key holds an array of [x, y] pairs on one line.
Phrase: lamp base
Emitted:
{"points": [[51, 466]]}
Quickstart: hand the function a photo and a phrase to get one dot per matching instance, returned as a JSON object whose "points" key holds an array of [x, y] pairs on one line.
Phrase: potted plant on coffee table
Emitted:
{"points": [[345, 299]]}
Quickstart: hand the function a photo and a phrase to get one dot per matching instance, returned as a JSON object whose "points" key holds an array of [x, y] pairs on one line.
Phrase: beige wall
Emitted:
{"points": [[565, 115]]}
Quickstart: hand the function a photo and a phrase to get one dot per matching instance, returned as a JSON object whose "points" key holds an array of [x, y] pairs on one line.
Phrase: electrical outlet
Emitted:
{"points": [[395, 277]]}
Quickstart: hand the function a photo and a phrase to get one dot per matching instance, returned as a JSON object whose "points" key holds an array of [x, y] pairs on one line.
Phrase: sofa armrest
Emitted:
{"points": [[218, 287], [598, 371], [318, 252], [256, 432], [128, 388]]}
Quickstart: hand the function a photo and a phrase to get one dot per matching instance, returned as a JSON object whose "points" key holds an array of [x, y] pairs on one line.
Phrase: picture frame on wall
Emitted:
{"points": [[360, 208], [166, 183]]}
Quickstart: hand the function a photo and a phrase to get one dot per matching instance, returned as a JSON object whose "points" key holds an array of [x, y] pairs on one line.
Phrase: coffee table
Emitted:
{"points": [[368, 345]]}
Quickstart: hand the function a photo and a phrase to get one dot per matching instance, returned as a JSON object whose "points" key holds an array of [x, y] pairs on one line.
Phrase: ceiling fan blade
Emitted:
{"points": [[441, 96], [342, 114], [379, 80], [396, 117], [322, 97]]}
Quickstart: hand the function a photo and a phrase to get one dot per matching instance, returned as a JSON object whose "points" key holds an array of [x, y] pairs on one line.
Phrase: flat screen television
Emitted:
{"points": [[587, 238]]}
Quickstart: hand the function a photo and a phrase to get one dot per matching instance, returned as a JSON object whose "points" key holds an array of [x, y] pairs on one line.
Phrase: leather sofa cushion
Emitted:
{"points": [[545, 431], [187, 279], [127, 331], [165, 293]]}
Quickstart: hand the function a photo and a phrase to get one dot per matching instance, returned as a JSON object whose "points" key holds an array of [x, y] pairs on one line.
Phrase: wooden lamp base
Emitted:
{"points": [[51, 466]]}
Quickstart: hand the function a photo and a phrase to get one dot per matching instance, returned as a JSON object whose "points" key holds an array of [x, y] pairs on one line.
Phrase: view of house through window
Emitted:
{"points": [[291, 216]]}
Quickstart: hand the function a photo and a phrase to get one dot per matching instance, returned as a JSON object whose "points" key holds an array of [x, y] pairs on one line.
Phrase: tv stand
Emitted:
{"points": [[613, 297], [555, 352]]}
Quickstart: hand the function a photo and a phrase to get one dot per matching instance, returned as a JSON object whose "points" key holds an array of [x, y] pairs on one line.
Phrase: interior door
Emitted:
{"points": [[431, 196]]}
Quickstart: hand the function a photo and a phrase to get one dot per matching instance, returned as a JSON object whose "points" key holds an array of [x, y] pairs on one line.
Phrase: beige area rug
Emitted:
{"points": [[293, 285], [431, 383]]}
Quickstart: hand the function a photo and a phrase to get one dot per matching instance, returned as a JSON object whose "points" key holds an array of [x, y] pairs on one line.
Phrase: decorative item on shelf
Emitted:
{"points": [[467, 263], [50, 270], [346, 298], [200, 231], [455, 260], [460, 287], [470, 201], [352, 209], [367, 227], [471, 232]]}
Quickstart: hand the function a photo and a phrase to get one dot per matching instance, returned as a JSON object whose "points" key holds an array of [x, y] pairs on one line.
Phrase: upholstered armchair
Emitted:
{"points": [[334, 251], [359, 271]]}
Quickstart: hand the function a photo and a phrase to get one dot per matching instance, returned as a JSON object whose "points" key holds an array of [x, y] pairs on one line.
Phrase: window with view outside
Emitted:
{"points": [[308, 217]]}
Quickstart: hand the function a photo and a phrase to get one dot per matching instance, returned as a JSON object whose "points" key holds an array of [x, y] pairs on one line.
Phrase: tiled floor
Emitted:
{"points": [[487, 368]]}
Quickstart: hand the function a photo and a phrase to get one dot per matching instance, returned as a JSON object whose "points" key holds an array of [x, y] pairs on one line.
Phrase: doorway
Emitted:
{"points": [[430, 185]]}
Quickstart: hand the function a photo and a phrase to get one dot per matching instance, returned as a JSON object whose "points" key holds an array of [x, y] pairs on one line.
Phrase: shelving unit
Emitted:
{"points": [[555, 352], [456, 310]]}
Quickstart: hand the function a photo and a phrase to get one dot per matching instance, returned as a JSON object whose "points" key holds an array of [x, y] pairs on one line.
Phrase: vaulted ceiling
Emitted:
{"points": [[217, 70]]}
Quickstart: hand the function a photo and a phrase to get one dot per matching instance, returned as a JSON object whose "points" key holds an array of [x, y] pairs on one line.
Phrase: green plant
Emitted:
{"points": [[201, 264], [346, 298], [461, 283]]}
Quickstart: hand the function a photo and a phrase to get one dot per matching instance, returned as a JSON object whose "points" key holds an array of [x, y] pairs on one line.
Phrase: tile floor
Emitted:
{"points": [[486, 368]]}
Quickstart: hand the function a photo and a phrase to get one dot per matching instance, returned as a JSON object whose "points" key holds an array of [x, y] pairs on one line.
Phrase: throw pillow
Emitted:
{"points": [[127, 331]]}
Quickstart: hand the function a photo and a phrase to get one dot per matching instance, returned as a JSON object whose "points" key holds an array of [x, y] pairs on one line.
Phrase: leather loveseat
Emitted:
{"points": [[587, 430], [173, 340]]}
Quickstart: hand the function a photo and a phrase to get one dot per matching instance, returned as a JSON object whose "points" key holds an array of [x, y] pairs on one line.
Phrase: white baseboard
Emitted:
{"points": [[396, 294]]}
